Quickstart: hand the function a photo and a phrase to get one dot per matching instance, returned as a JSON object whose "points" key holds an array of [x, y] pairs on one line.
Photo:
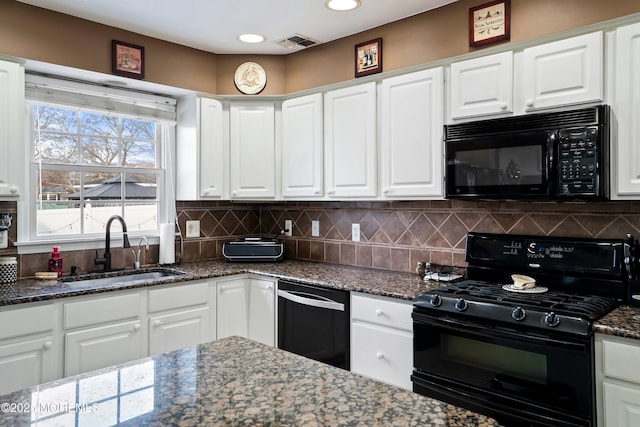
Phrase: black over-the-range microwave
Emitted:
{"points": [[555, 156]]}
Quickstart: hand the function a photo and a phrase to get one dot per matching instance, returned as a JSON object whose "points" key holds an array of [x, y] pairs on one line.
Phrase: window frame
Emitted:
{"points": [[28, 239]]}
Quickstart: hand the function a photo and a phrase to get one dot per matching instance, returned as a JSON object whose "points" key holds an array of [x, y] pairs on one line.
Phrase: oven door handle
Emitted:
{"points": [[316, 300], [463, 326]]}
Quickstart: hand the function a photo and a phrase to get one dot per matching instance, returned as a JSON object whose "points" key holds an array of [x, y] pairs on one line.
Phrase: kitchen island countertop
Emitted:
{"points": [[231, 382]]}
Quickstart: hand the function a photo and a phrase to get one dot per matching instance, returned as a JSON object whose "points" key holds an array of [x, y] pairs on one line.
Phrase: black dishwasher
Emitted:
{"points": [[314, 322]]}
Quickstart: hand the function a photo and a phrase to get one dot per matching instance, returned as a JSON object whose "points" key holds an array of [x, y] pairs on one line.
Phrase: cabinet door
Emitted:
{"points": [[350, 142], [411, 140], [564, 72], [27, 363], [621, 405], [11, 131], [212, 158], [174, 331], [232, 309], [381, 353], [252, 150], [302, 147], [625, 169], [262, 326], [99, 347], [482, 86]]}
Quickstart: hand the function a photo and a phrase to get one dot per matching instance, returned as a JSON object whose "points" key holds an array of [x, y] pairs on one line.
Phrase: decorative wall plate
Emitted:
{"points": [[250, 78]]}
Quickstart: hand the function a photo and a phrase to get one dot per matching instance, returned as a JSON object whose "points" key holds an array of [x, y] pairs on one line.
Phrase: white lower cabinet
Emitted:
{"points": [[29, 353], [103, 346], [103, 331], [179, 317], [182, 329], [382, 339], [246, 307], [617, 381]]}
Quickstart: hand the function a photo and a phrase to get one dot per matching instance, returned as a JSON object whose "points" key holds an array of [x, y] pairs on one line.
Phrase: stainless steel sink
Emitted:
{"points": [[126, 276]]}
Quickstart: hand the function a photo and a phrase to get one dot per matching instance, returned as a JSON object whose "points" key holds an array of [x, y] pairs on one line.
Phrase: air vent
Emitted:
{"points": [[296, 41], [529, 122]]}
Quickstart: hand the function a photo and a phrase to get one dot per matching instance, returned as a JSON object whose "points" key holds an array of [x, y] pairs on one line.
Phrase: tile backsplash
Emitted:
{"points": [[394, 235]]}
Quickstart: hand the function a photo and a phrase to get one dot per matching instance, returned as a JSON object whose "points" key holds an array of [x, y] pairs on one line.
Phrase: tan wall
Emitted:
{"points": [[443, 33], [39, 34], [34, 33]]}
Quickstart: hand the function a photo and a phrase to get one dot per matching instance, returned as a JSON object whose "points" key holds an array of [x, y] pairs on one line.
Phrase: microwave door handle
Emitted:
{"points": [[551, 146]]}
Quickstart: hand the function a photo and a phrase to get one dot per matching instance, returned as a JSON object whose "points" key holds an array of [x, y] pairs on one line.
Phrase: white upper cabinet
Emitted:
{"points": [[252, 150], [625, 158], [350, 142], [12, 113], [212, 158], [201, 157], [411, 135], [302, 147], [482, 86], [564, 72]]}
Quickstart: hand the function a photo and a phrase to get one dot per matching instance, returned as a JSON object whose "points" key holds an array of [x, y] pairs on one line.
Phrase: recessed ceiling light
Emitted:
{"points": [[251, 38], [342, 5]]}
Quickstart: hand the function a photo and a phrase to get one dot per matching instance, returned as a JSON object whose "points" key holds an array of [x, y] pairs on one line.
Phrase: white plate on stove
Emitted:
{"points": [[534, 290]]}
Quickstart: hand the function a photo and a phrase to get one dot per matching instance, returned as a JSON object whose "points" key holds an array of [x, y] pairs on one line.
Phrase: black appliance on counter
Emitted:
{"points": [[526, 357], [253, 249], [557, 156], [314, 322]]}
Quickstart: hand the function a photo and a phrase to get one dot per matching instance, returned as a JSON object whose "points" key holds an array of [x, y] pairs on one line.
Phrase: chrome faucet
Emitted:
{"points": [[136, 260], [106, 259]]}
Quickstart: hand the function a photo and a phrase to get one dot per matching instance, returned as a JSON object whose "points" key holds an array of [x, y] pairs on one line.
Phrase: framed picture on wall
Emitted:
{"points": [[127, 60], [368, 58], [489, 23]]}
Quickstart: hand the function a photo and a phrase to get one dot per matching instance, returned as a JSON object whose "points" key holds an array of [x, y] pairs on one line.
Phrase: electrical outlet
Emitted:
{"points": [[315, 228], [193, 228], [355, 232], [288, 227]]}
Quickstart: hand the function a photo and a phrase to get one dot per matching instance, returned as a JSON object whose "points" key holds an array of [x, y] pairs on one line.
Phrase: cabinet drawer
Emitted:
{"points": [[25, 321], [620, 361], [101, 310], [178, 296], [382, 311], [382, 354]]}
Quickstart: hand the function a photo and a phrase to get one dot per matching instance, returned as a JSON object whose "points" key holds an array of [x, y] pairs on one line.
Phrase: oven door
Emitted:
{"points": [[514, 165], [519, 379]]}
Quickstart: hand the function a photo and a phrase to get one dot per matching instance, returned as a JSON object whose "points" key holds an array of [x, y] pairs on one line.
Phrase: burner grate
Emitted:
{"points": [[588, 306]]}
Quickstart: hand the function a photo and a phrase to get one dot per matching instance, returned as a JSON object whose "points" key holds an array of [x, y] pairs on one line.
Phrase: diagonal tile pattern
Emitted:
{"points": [[395, 235]]}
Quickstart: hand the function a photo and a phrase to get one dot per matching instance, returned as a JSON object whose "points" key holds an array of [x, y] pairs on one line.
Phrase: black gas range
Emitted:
{"points": [[523, 355]]}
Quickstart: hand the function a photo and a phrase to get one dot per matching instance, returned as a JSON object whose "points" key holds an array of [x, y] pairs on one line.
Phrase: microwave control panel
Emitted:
{"points": [[578, 161]]}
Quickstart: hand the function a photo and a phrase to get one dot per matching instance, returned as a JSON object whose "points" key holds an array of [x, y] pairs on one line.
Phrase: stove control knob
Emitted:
{"points": [[518, 314], [461, 304], [551, 320], [435, 300]]}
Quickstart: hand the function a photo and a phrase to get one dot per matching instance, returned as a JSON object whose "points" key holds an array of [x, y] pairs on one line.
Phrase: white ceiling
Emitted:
{"points": [[213, 25]]}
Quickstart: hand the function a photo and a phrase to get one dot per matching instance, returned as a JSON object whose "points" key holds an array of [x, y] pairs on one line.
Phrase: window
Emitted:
{"points": [[94, 155]]}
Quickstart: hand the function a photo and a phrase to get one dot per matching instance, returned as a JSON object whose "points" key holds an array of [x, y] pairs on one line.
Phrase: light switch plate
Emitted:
{"points": [[193, 228], [355, 232], [315, 228]]}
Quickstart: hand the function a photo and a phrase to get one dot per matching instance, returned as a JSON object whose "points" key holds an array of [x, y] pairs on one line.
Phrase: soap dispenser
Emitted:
{"points": [[55, 261]]}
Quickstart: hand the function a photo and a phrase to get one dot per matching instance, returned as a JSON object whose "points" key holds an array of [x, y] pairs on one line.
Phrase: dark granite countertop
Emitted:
{"points": [[230, 382], [623, 321], [376, 282]]}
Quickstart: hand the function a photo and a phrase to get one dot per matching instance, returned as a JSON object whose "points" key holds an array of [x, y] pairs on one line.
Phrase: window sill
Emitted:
{"points": [[77, 244]]}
